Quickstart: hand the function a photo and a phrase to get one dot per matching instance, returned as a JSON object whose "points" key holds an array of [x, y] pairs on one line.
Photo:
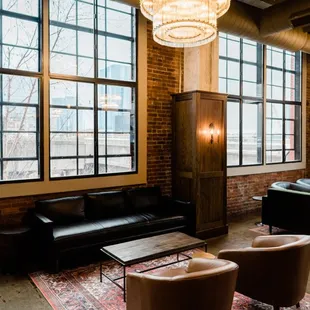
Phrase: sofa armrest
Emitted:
{"points": [[43, 227], [185, 208]]}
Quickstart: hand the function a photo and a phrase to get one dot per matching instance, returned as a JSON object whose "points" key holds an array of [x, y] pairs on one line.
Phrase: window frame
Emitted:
{"points": [[284, 103], [97, 81], [39, 107], [240, 98]]}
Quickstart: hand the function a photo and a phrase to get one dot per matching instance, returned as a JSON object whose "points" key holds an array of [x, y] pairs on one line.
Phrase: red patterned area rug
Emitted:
{"points": [[80, 289]]}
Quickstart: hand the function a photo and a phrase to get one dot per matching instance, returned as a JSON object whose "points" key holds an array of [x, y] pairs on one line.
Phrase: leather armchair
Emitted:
{"points": [[304, 182], [205, 284], [274, 270]]}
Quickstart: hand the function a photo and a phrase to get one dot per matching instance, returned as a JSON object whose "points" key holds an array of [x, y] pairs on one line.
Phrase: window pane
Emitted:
{"points": [[86, 166], [119, 164], [252, 130], [118, 144], [19, 145], [274, 157], [72, 40], [71, 128], [63, 144], [19, 40], [119, 23], [20, 170], [73, 35], [233, 133], [19, 130], [26, 7], [61, 168]]}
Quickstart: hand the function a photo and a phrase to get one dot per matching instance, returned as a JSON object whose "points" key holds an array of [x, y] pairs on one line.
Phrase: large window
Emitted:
{"points": [[283, 107], [20, 91], [250, 99], [90, 80], [92, 88]]}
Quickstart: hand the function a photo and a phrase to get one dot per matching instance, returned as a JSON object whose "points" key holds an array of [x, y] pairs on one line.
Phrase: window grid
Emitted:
{"points": [[28, 166], [294, 102], [98, 82], [243, 99], [292, 70]]}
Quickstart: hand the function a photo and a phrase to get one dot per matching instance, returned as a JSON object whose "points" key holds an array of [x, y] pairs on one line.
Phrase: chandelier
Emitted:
{"points": [[184, 23]]}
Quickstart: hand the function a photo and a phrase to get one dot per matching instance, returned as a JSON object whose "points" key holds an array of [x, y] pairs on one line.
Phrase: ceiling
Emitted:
{"points": [[262, 4]]}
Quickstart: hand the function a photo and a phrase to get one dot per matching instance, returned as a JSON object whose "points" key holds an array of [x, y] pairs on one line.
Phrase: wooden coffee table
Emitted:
{"points": [[146, 249]]}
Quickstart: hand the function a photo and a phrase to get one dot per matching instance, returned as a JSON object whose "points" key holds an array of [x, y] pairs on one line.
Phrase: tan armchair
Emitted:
{"points": [[205, 284], [274, 270]]}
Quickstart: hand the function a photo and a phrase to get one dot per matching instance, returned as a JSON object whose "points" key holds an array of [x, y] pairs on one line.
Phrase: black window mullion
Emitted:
{"points": [[106, 132], [241, 104], [96, 89], [283, 109], [77, 126]]}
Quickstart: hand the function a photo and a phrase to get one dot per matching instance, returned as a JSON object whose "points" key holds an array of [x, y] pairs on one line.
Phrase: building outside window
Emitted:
{"points": [[92, 88], [254, 104]]}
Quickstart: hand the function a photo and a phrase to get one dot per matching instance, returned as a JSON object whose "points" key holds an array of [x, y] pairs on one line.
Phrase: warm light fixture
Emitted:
{"points": [[211, 132], [184, 23]]}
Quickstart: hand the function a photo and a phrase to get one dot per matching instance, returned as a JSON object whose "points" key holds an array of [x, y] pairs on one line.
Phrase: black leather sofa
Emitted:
{"points": [[287, 206], [96, 219]]}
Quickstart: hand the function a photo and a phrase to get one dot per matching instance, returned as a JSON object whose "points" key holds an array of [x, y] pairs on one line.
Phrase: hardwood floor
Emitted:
{"points": [[18, 292]]}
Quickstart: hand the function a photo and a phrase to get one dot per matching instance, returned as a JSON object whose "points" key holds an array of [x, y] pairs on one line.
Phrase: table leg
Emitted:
{"points": [[124, 275], [177, 256], [206, 247], [100, 271]]}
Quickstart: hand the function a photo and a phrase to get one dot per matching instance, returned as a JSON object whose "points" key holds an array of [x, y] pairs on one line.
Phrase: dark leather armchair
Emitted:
{"points": [[304, 182], [287, 206], [76, 223]]}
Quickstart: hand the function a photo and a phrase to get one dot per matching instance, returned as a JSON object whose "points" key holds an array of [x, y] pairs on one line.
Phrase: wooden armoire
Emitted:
{"points": [[199, 158]]}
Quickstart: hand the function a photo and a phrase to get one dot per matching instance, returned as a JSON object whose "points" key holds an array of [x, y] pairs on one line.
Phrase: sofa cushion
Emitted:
{"points": [[157, 221], [142, 199], [111, 230], [97, 231], [105, 205], [62, 210]]}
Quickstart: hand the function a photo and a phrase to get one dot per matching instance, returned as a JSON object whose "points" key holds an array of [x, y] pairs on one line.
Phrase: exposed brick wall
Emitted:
{"points": [[241, 189], [164, 68], [163, 79]]}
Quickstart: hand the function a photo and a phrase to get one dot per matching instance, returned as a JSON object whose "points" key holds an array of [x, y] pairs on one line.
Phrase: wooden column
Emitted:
{"points": [[199, 158]]}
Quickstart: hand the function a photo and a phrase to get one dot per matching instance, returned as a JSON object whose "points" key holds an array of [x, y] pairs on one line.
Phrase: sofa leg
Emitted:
{"points": [[270, 229], [298, 305]]}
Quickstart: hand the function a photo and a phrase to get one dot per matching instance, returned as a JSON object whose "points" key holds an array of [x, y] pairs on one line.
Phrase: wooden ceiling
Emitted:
{"points": [[262, 4]]}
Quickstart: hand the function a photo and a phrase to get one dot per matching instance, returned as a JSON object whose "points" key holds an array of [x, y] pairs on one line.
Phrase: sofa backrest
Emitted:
{"points": [[291, 186], [62, 210], [105, 205], [144, 199]]}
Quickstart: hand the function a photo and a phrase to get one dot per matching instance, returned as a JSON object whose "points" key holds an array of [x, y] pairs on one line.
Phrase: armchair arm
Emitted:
{"points": [[272, 241]]}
